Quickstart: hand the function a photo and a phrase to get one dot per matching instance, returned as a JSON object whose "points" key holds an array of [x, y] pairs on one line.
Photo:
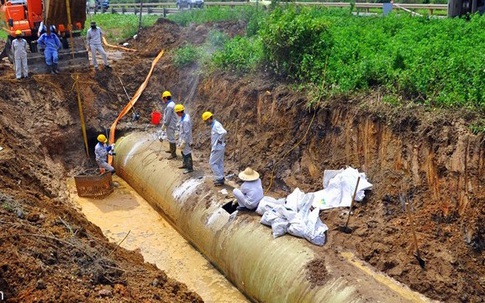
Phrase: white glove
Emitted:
{"points": [[112, 146], [182, 145], [164, 127]]}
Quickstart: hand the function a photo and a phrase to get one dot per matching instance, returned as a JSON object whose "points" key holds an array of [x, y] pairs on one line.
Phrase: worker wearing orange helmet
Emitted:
{"points": [[101, 151], [169, 123], [218, 147], [185, 138], [19, 51]]}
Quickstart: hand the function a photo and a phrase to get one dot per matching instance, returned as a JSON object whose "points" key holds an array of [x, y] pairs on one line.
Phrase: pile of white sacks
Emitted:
{"points": [[299, 214]]}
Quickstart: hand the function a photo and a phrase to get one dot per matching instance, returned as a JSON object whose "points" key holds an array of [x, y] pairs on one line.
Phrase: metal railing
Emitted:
{"points": [[165, 8]]}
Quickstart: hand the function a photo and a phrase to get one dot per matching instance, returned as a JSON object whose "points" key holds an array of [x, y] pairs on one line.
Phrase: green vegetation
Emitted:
{"points": [[433, 61], [214, 14], [119, 27], [186, 55], [3, 35]]}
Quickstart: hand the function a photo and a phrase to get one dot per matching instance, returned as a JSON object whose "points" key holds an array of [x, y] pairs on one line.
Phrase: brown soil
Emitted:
{"points": [[429, 156]]}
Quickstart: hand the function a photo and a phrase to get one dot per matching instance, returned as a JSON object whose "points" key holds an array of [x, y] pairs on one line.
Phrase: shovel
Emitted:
{"points": [[345, 228], [418, 254]]}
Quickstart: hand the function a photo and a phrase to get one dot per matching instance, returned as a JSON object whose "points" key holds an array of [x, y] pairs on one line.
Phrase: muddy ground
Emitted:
{"points": [[428, 156]]}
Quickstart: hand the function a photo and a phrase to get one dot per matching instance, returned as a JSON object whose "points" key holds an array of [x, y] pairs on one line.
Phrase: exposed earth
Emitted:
{"points": [[51, 253]]}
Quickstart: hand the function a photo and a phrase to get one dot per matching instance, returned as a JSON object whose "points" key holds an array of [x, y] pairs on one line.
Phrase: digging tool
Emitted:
{"points": [[345, 228], [418, 254]]}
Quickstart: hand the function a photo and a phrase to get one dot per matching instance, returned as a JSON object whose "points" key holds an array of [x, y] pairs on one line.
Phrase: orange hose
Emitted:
{"points": [[117, 46], [131, 103]]}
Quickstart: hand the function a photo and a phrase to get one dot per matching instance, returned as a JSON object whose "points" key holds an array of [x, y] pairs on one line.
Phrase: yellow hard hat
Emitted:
{"points": [[179, 108], [18, 32], [206, 115], [166, 94], [102, 138]]}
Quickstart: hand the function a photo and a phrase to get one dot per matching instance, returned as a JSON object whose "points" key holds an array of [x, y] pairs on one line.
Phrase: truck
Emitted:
{"points": [[27, 16]]}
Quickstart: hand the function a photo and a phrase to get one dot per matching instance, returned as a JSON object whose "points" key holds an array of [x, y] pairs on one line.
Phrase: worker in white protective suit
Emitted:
{"points": [[169, 123], [19, 51], [95, 44], [218, 147], [185, 138], [101, 151], [251, 192]]}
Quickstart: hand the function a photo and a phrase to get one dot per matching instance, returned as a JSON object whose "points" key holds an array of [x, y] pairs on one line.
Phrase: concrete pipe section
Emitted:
{"points": [[264, 269]]}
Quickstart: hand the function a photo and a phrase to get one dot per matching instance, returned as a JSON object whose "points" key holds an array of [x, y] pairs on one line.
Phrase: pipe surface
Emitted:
{"points": [[263, 268]]}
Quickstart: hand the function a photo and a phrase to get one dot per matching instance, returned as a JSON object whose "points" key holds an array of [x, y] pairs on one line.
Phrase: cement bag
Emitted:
{"points": [[268, 203], [315, 231], [269, 217], [293, 200], [298, 224], [279, 227]]}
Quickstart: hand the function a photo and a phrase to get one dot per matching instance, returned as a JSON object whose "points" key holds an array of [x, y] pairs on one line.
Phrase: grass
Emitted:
{"points": [[119, 27]]}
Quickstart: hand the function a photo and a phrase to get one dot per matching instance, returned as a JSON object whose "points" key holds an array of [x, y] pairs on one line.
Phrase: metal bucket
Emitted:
{"points": [[94, 186]]}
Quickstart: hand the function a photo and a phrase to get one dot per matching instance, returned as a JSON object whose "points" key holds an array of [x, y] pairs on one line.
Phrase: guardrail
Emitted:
{"points": [[165, 8]]}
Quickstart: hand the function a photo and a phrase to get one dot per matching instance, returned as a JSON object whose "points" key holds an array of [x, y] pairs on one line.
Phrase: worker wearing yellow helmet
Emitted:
{"points": [[19, 51], [185, 138], [218, 147], [169, 123], [101, 151]]}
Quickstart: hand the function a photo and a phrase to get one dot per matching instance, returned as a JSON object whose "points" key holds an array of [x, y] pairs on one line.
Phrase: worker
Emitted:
{"points": [[251, 192], [51, 44], [169, 123], [185, 138], [102, 150], [218, 146], [95, 44], [19, 51]]}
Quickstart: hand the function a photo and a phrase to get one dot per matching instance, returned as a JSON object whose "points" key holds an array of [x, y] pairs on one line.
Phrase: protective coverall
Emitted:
{"points": [[185, 138], [218, 147], [170, 121], [19, 50], [101, 151], [95, 43], [51, 44], [250, 194]]}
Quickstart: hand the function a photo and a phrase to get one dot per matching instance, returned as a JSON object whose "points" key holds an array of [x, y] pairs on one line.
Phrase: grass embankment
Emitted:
{"points": [[438, 62]]}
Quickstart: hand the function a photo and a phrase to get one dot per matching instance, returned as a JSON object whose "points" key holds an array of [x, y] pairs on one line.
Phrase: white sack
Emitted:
{"points": [[268, 217], [315, 232], [340, 190], [268, 203], [279, 227]]}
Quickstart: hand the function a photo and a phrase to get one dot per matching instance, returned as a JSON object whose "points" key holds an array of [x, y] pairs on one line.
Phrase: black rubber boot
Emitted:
{"points": [[54, 68], [173, 149], [51, 69], [184, 163], [189, 163]]}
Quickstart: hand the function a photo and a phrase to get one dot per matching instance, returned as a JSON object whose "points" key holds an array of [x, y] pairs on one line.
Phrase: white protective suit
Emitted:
{"points": [[250, 194], [95, 43], [218, 147], [19, 50], [170, 121], [185, 134]]}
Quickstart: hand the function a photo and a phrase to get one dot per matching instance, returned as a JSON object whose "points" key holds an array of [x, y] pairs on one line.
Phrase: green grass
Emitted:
{"points": [[119, 27], [438, 62], [3, 35], [213, 14]]}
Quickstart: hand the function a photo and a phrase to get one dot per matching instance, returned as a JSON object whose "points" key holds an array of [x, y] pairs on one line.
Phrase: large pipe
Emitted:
{"points": [[265, 269]]}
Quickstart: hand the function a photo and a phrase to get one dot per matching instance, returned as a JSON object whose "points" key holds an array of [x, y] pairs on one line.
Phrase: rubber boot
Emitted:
{"points": [[54, 68], [189, 163], [173, 149], [184, 162], [50, 69]]}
